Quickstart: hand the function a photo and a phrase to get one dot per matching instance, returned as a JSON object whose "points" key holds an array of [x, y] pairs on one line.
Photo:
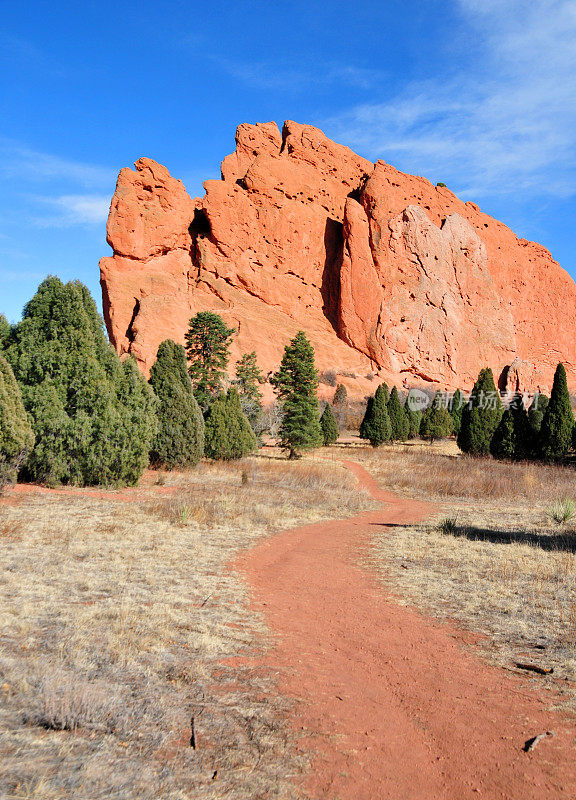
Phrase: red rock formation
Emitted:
{"points": [[383, 270]]}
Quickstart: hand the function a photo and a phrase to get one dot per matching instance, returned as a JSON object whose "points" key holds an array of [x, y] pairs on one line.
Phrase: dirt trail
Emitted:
{"points": [[392, 705]]}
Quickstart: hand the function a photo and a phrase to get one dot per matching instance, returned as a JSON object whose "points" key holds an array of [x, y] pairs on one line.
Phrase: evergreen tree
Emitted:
{"points": [[340, 406], [558, 421], [329, 426], [340, 395], [16, 435], [398, 420], [228, 434], [179, 441], [248, 378], [4, 330], [413, 414], [296, 383], [364, 429], [480, 416], [513, 438], [536, 412], [457, 403], [93, 416], [207, 349], [436, 420], [377, 427]]}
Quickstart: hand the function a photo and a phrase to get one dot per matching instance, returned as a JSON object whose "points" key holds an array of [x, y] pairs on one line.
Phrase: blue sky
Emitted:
{"points": [[480, 94]]}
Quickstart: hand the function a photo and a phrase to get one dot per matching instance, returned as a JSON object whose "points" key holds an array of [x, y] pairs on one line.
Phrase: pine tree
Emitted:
{"points": [[436, 421], [398, 420], [207, 350], [512, 438], [377, 427], [558, 421], [480, 416], [248, 378], [457, 403], [179, 441], [536, 412], [228, 434], [413, 414], [329, 426], [16, 435], [296, 383], [93, 416]]}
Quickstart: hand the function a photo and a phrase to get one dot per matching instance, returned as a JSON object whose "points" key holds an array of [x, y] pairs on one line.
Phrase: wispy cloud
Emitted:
{"points": [[74, 209], [507, 126], [295, 78], [25, 164]]}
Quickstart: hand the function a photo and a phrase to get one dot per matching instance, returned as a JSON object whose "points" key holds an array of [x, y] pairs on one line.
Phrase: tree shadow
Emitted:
{"points": [[562, 542]]}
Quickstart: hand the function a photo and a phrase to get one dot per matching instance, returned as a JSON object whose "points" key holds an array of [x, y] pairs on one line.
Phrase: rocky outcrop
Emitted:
{"points": [[385, 272]]}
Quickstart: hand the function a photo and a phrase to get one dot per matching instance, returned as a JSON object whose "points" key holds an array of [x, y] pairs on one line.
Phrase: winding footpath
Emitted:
{"points": [[392, 705]]}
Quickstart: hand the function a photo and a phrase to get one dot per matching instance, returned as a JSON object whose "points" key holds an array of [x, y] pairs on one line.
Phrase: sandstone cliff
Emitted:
{"points": [[386, 273]]}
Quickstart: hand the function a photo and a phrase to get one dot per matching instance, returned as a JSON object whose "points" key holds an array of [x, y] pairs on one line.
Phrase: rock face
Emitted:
{"points": [[386, 273]]}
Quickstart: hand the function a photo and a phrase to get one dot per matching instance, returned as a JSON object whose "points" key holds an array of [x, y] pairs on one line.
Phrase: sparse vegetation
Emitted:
{"points": [[505, 566], [563, 511], [118, 621]]}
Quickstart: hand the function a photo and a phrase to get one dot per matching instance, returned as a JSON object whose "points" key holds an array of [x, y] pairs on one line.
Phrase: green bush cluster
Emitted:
{"points": [[93, 415]]}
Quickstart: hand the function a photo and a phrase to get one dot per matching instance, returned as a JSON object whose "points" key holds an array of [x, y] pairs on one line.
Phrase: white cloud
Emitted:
{"points": [[506, 126], [25, 164], [74, 209]]}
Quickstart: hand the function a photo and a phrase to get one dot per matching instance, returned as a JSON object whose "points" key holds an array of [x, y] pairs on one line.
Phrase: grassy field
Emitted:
{"points": [[126, 639], [491, 557]]}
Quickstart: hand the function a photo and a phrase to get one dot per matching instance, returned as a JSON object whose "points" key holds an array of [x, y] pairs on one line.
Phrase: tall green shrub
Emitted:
{"points": [[93, 416], [179, 441], [207, 350], [296, 383], [457, 403], [480, 416], [228, 434], [377, 427], [16, 435], [413, 414], [436, 420], [329, 426], [367, 415], [513, 438], [398, 420], [536, 411], [558, 421]]}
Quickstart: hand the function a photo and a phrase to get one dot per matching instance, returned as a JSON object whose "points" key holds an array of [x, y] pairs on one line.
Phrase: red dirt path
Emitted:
{"points": [[393, 707]]}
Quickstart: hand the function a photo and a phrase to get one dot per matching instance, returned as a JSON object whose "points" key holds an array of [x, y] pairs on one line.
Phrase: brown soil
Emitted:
{"points": [[393, 705]]}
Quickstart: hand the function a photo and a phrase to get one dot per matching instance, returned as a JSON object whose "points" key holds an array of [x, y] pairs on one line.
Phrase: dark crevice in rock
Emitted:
{"points": [[130, 335], [330, 288]]}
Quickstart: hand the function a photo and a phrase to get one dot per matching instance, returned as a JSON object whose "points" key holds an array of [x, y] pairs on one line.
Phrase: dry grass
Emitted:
{"points": [[120, 622], [492, 557], [439, 471]]}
